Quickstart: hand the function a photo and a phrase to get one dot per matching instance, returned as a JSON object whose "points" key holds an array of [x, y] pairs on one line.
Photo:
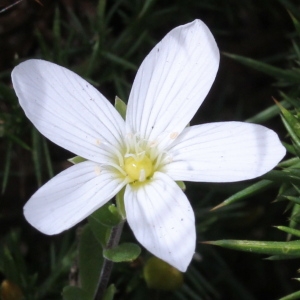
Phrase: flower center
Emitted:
{"points": [[138, 168]]}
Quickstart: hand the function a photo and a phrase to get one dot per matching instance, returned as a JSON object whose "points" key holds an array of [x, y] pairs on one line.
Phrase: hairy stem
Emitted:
{"points": [[108, 264]]}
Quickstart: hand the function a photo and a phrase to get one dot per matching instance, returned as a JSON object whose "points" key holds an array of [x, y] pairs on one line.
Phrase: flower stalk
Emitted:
{"points": [[108, 264]]}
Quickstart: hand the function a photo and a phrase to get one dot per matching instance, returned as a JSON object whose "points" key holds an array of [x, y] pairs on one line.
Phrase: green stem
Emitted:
{"points": [[108, 264]]}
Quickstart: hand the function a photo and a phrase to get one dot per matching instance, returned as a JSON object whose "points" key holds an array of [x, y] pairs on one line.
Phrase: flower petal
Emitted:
{"points": [[70, 197], [224, 152], [67, 109], [172, 83], [162, 220]]}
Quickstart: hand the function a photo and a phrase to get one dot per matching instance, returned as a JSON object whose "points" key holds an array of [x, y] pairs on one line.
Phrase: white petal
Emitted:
{"points": [[67, 109], [70, 197], [162, 220], [224, 152], [172, 82]]}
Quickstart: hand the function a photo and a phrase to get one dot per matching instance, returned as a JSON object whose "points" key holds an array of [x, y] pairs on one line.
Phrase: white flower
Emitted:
{"points": [[149, 151]]}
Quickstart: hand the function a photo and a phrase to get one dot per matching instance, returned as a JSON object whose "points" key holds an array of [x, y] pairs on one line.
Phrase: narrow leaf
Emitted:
{"points": [[290, 118], [292, 296], [247, 192], [292, 198], [267, 114], [296, 23], [273, 248], [119, 61], [289, 230], [295, 216], [18, 141], [48, 158], [291, 132], [287, 75], [6, 170], [290, 163], [36, 155], [90, 261], [287, 176]]}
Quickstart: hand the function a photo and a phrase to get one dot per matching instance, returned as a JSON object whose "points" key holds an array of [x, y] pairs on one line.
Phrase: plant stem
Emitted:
{"points": [[108, 264]]}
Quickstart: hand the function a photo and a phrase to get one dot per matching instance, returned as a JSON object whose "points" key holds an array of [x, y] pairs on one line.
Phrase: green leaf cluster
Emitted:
{"points": [[288, 175], [105, 44], [98, 248]]}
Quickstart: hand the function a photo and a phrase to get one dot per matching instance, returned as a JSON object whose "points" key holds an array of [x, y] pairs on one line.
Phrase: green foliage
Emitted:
{"points": [[76, 160], [101, 232], [249, 191], [123, 252], [110, 292], [285, 76], [13, 266], [289, 230], [288, 178], [120, 107], [107, 215], [283, 249], [90, 261], [292, 296], [105, 43], [74, 293], [12, 263]]}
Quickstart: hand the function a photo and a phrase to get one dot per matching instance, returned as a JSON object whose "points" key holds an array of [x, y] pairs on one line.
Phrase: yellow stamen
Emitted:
{"points": [[138, 168]]}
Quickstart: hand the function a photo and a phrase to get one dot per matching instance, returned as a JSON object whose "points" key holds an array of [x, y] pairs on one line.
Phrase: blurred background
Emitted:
{"points": [[105, 42]]}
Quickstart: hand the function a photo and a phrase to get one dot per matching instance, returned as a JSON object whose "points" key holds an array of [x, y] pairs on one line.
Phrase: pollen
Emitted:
{"points": [[97, 170], [138, 168], [174, 135]]}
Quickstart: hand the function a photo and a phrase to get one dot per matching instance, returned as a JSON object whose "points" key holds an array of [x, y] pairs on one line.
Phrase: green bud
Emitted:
{"points": [[162, 276]]}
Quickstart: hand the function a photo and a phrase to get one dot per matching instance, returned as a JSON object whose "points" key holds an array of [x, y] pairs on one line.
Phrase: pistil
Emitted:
{"points": [[138, 168]]}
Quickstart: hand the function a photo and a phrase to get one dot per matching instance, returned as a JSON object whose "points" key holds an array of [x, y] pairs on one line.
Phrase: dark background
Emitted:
{"points": [[262, 30]]}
